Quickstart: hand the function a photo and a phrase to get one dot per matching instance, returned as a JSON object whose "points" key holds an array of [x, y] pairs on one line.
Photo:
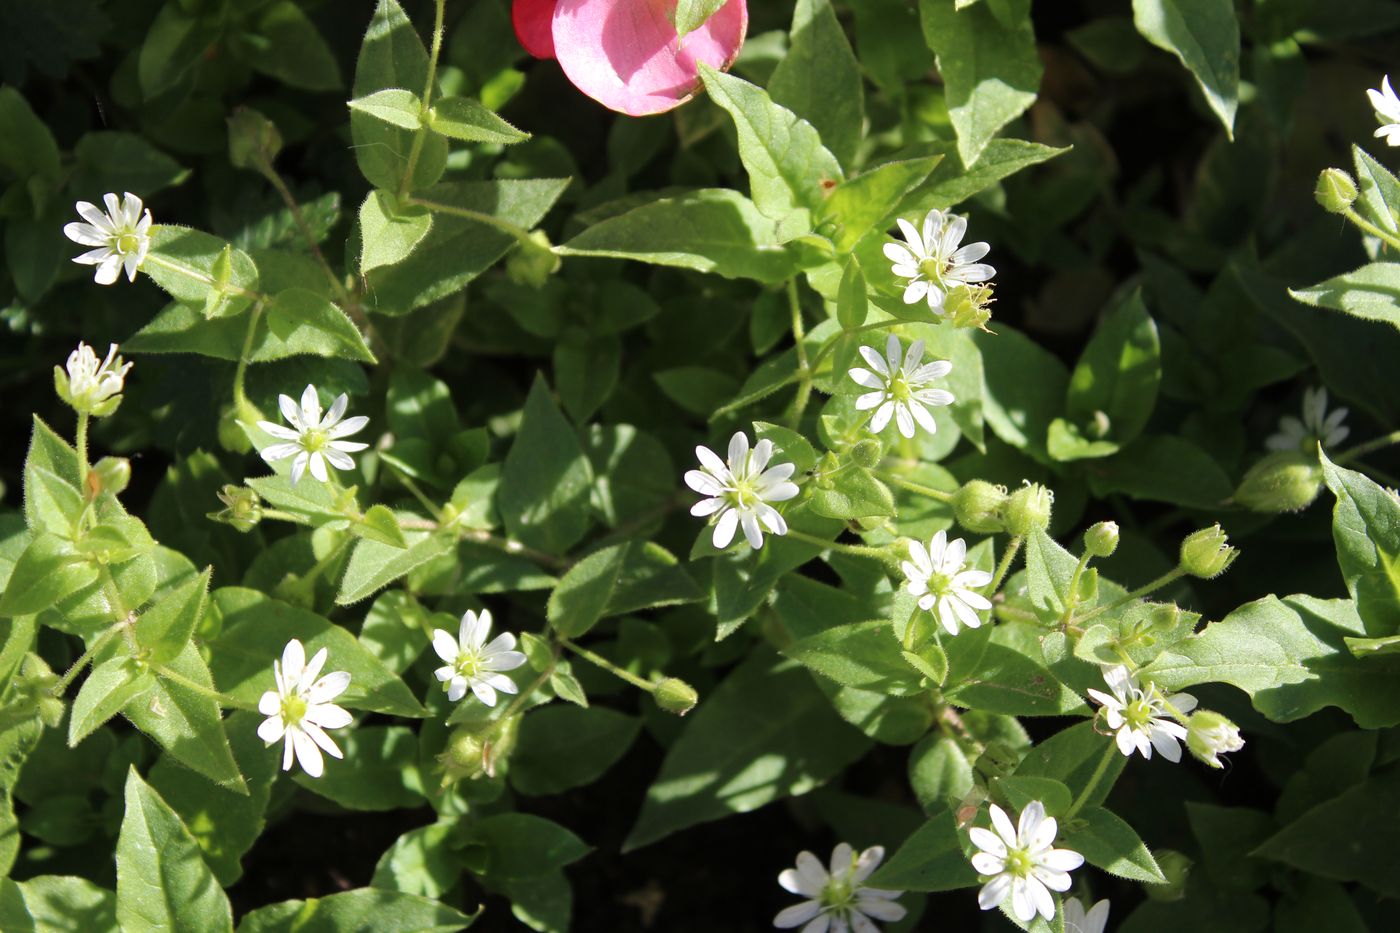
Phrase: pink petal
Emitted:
{"points": [[533, 26], [625, 53]]}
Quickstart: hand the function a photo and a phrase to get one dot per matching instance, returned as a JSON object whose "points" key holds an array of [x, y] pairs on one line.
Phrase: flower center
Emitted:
{"points": [[837, 896], [899, 388], [743, 495], [128, 243], [940, 583], [1139, 713], [468, 664], [313, 439], [933, 268], [293, 709], [1019, 863]]}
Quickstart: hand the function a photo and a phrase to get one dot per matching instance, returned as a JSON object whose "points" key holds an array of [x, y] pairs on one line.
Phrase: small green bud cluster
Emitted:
{"points": [[985, 508], [676, 696], [472, 752], [242, 507], [1335, 190], [1284, 481], [1028, 509], [1207, 553], [110, 474], [1102, 539], [533, 261]]}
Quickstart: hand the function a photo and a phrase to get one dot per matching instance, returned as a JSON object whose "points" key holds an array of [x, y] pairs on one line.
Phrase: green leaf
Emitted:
{"points": [[420, 406], [466, 119], [165, 628], [1291, 657], [186, 722], [189, 265], [819, 79], [787, 164], [1049, 569], [1012, 677], [28, 148], [865, 655], [586, 368], [379, 772], [765, 732], [690, 15], [1379, 196], [380, 525], [563, 747], [49, 570], [709, 230], [581, 597], [256, 629], [1108, 843], [389, 232], [1073, 756], [990, 68], [521, 845], [292, 50], [852, 304], [1366, 532], [393, 105], [162, 880], [375, 564], [362, 909], [175, 43], [53, 500], [421, 861], [459, 248], [939, 772], [1163, 468], [1205, 36], [931, 859], [108, 688], [544, 492], [860, 209], [853, 493], [1024, 386], [1019, 791], [1371, 292], [951, 182], [66, 904], [114, 161], [16, 743]]}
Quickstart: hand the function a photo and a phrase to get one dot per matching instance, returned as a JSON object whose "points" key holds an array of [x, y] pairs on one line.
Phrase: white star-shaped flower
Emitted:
{"points": [[738, 492], [1077, 920], [91, 382], [837, 900], [1021, 863], [1387, 107], [313, 440], [121, 237], [901, 388], [937, 575], [472, 663], [300, 709], [1316, 426], [1139, 715], [933, 262]]}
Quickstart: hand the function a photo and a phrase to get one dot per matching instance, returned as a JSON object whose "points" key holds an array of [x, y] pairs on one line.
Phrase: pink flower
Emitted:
{"points": [[625, 54]]}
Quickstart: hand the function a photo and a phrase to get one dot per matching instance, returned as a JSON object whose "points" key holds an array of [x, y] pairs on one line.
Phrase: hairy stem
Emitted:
{"points": [[1094, 780], [605, 664]]}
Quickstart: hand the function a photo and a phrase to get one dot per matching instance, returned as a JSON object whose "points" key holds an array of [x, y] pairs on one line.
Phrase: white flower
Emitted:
{"points": [[315, 440], [1210, 735], [901, 388], [91, 383], [1387, 107], [122, 237], [1315, 427], [933, 263], [1139, 716], [1021, 863], [471, 663], [937, 576], [836, 899], [1078, 921], [739, 492], [300, 709]]}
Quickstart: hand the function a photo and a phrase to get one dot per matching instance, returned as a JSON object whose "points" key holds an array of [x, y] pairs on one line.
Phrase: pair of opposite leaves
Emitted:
{"points": [[626, 54]]}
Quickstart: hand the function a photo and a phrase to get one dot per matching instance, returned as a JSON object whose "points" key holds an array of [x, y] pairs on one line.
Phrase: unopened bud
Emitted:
{"points": [[242, 507], [1335, 190], [111, 474], [977, 506], [533, 261], [1102, 539], [463, 757], [676, 696], [1177, 868], [1028, 509], [1210, 735], [253, 140], [867, 453], [1207, 553], [1284, 481]]}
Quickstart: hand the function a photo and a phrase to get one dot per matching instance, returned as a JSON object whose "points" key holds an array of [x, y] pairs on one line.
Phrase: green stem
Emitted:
{"points": [[223, 699], [607, 665], [830, 345], [418, 494], [1072, 597], [920, 488], [193, 273], [804, 368], [1005, 563], [241, 405], [855, 550], [1094, 780], [420, 135], [1168, 577], [80, 441], [1361, 450], [486, 539], [524, 695], [466, 213], [77, 666], [1368, 227]]}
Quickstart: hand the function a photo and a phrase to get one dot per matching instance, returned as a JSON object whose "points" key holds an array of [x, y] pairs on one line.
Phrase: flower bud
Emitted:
{"points": [[977, 506], [1206, 553], [533, 261], [1209, 735], [92, 387], [1335, 190], [676, 696], [867, 453], [111, 474], [464, 756], [1177, 867], [243, 507], [1284, 481], [1102, 539], [1028, 509], [253, 140]]}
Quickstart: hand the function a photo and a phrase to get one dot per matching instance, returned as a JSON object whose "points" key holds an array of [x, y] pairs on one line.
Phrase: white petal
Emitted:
{"points": [[1061, 859], [328, 716], [483, 692], [108, 270], [882, 417], [703, 483], [797, 914], [269, 703], [445, 646], [753, 532], [308, 755], [874, 360], [739, 453], [312, 671], [279, 452], [724, 529], [348, 426], [869, 400], [987, 841], [271, 729], [299, 466], [867, 379], [317, 463], [1002, 824], [293, 661], [994, 892], [337, 459], [970, 253], [290, 412], [310, 407], [903, 419], [917, 290], [328, 687]]}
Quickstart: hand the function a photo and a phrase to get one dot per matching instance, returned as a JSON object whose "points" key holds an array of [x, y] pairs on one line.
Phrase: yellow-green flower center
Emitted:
{"points": [[1019, 863], [933, 268], [293, 709], [742, 494], [128, 243], [314, 439], [899, 388], [940, 583], [837, 896], [468, 664], [1138, 714]]}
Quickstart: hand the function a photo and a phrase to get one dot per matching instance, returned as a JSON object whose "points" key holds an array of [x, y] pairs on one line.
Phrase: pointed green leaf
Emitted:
{"points": [[393, 105], [1366, 532], [819, 79], [467, 119], [388, 231], [1205, 36], [108, 688]]}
